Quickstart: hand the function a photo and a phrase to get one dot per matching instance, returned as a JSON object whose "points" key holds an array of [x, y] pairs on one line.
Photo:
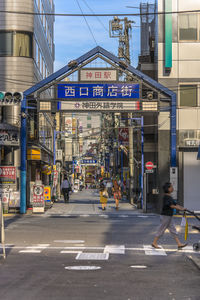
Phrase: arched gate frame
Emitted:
{"points": [[164, 94]]}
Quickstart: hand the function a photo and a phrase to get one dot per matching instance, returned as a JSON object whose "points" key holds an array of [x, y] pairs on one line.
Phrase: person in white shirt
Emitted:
{"points": [[109, 186], [65, 188]]}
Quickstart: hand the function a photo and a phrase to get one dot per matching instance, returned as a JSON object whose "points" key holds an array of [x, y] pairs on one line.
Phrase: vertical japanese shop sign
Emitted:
{"points": [[123, 136], [38, 198]]}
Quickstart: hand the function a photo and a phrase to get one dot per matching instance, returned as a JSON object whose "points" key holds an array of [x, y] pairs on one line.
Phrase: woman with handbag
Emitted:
{"points": [[166, 218], [116, 193], [103, 196]]}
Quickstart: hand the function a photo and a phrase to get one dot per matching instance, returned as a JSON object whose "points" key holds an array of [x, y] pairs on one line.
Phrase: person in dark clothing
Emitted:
{"points": [[166, 218], [65, 188]]}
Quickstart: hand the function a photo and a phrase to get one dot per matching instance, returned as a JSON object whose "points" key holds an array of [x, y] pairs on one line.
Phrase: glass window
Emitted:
{"points": [[88, 117], [39, 5], [188, 27], [188, 95], [89, 126], [22, 44], [6, 43]]}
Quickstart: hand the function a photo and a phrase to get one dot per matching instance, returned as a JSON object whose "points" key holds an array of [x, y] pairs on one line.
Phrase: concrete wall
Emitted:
{"points": [[185, 70]]}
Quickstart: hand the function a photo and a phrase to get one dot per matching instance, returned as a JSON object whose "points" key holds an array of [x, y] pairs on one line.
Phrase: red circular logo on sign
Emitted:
{"points": [[149, 165]]}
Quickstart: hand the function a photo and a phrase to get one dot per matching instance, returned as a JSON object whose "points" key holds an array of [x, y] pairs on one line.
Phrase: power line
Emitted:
{"points": [[90, 30], [98, 15]]}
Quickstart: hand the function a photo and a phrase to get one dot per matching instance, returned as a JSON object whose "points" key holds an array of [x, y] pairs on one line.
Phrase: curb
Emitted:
{"points": [[194, 260]]}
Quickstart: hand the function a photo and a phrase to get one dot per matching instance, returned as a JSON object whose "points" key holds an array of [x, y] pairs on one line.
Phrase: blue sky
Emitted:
{"points": [[73, 38]]}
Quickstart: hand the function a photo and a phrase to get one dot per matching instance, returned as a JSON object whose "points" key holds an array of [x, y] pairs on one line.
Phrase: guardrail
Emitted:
{"points": [[2, 231]]}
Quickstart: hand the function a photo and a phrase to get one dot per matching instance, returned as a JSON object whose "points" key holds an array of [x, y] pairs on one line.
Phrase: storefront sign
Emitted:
{"points": [[98, 75], [123, 136], [38, 198], [14, 200], [68, 125], [88, 161], [7, 175], [9, 138], [191, 143], [98, 91], [55, 178], [47, 193], [33, 154]]}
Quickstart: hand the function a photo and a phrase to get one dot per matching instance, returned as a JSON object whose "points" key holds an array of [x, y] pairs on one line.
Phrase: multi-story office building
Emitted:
{"points": [[178, 66], [26, 57]]}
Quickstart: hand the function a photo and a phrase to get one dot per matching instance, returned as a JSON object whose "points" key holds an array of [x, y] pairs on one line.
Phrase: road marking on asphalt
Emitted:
{"points": [[104, 216], [139, 267], [84, 216], [149, 250], [75, 248], [83, 268], [69, 241], [70, 252], [93, 256], [30, 251], [114, 249], [39, 246], [188, 249], [34, 249]]}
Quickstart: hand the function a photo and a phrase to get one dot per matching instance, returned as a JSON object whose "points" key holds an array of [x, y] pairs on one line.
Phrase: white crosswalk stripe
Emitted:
{"points": [[34, 249], [114, 249], [104, 249], [149, 250]]}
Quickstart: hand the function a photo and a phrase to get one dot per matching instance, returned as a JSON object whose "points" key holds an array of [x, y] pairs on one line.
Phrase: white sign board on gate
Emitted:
{"points": [[100, 106], [98, 75]]}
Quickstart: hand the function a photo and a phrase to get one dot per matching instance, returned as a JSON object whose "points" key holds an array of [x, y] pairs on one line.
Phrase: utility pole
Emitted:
{"points": [[121, 28], [131, 158]]}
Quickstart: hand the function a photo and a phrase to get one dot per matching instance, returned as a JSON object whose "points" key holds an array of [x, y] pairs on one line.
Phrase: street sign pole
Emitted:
{"points": [[142, 161], [2, 240], [23, 157]]}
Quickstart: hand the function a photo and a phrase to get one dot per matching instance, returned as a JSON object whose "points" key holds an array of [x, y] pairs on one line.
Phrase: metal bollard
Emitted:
{"points": [[2, 231]]}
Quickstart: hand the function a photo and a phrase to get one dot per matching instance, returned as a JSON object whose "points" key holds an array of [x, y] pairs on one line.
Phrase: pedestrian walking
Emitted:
{"points": [[109, 186], [116, 193], [166, 218], [65, 188], [103, 196]]}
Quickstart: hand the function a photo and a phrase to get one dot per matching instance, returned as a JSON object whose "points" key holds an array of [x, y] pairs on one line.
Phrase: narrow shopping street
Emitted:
{"points": [[76, 251]]}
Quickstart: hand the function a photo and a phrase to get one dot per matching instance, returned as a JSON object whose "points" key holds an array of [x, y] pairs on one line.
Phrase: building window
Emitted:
{"points": [[89, 118], [89, 126], [6, 43], [188, 95], [22, 44], [16, 44], [188, 27]]}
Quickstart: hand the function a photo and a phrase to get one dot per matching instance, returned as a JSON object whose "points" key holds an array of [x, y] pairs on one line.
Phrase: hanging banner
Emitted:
{"points": [[123, 136]]}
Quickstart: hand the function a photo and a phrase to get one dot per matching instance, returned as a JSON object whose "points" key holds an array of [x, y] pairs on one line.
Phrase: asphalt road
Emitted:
{"points": [[99, 256]]}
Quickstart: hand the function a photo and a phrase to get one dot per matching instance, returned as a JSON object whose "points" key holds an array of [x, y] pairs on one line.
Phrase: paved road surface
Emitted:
{"points": [[76, 251]]}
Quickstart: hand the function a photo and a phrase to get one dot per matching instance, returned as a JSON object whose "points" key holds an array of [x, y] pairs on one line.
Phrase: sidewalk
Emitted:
{"points": [[87, 202]]}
